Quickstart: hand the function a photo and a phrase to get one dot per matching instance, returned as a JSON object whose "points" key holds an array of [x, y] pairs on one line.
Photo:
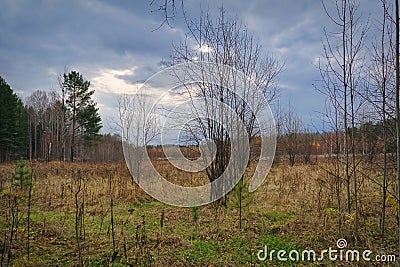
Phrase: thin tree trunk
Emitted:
{"points": [[35, 134], [30, 135], [73, 127], [353, 151], [346, 131], [384, 179], [14, 216], [337, 170], [29, 217], [397, 114], [112, 217], [240, 201], [72, 141], [77, 221], [353, 164]]}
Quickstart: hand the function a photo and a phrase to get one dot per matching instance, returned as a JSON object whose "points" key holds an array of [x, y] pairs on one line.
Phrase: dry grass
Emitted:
{"points": [[295, 208]]}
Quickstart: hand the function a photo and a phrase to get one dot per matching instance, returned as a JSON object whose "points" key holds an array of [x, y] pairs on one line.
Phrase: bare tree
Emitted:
{"points": [[290, 133], [55, 116], [168, 8], [139, 128], [332, 117], [229, 43], [47, 132], [381, 73], [37, 104], [343, 54]]}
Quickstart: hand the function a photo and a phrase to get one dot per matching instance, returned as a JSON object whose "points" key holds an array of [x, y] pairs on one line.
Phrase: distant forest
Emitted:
{"points": [[40, 128], [55, 125]]}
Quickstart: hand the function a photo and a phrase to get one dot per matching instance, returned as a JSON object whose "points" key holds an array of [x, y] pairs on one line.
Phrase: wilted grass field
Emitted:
{"points": [[117, 224]]}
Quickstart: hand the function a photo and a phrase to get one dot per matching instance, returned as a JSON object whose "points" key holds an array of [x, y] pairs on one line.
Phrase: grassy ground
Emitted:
{"points": [[118, 224]]}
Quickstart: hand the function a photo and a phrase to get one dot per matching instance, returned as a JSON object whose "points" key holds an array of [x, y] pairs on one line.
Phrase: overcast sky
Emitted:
{"points": [[114, 45]]}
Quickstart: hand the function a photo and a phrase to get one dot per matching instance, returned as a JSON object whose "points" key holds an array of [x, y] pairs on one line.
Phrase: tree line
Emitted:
{"points": [[56, 125]]}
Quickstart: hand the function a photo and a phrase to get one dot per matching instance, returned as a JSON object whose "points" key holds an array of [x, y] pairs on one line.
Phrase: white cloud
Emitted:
{"points": [[112, 81]]}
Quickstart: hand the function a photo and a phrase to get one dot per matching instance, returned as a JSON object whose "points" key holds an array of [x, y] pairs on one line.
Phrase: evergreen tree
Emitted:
{"points": [[13, 124], [90, 119], [82, 114]]}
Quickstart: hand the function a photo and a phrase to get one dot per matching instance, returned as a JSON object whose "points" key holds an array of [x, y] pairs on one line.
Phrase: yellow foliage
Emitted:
{"points": [[349, 217], [331, 211], [390, 199]]}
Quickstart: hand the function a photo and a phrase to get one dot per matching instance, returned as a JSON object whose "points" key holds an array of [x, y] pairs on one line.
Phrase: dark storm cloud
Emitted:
{"points": [[113, 43], [45, 35], [292, 30]]}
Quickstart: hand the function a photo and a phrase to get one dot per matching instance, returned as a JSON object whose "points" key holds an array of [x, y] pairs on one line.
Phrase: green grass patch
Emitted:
{"points": [[202, 252], [276, 216]]}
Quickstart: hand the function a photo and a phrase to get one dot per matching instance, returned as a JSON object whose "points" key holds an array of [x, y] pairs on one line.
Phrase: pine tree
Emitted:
{"points": [[13, 123], [82, 114]]}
